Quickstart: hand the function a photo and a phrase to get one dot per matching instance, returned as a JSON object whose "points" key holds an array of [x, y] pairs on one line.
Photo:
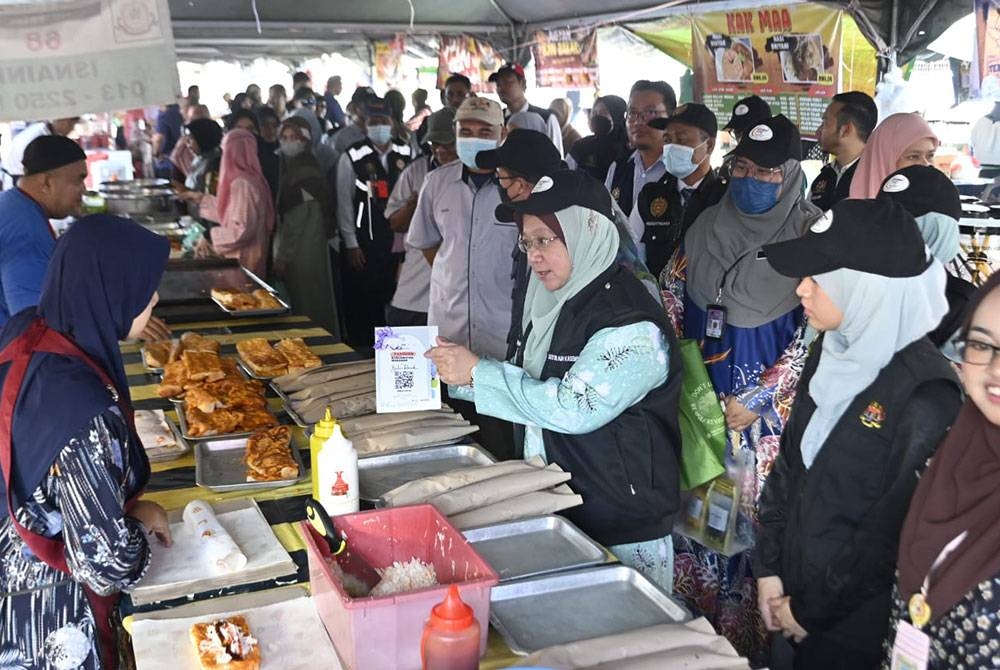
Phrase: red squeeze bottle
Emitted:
{"points": [[451, 636]]}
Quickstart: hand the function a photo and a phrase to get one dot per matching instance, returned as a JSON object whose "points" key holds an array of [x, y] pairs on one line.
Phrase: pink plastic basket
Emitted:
{"points": [[384, 633]]}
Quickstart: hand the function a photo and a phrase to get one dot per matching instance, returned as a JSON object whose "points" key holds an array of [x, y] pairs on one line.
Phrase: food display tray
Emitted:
{"points": [[182, 420], [289, 410], [219, 467], [254, 282], [204, 332], [380, 473], [184, 446], [586, 603], [535, 546]]}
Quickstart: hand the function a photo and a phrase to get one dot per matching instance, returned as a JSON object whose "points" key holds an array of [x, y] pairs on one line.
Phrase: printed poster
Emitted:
{"points": [[986, 64], [564, 60], [790, 56], [405, 381], [466, 55], [71, 57], [388, 59]]}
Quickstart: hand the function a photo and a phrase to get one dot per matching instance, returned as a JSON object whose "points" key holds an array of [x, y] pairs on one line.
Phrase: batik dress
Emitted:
{"points": [[615, 370], [761, 367], [45, 618]]}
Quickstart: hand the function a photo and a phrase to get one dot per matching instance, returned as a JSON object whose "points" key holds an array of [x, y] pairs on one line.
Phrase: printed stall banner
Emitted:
{"points": [[565, 61], [790, 56], [986, 64], [71, 57], [467, 55], [388, 59]]}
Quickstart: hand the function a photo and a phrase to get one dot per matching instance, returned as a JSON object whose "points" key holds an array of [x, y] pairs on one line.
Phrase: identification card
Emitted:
{"points": [[405, 381], [912, 649], [715, 322]]}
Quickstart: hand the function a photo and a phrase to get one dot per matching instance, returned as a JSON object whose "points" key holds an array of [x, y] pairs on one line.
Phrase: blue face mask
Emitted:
{"points": [[679, 159], [380, 135], [468, 147], [752, 196]]}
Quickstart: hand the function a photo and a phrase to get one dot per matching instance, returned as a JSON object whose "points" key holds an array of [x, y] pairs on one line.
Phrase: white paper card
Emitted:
{"points": [[912, 648], [405, 381]]}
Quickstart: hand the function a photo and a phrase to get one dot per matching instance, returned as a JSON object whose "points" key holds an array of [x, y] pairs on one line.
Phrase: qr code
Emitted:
{"points": [[404, 380]]}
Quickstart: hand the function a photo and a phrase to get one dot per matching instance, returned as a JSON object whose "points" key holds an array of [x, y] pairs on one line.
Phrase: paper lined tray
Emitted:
{"points": [[384, 472], [218, 466], [181, 569], [285, 624]]}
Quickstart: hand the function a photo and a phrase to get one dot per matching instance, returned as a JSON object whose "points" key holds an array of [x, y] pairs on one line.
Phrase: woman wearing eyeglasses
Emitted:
{"points": [[948, 583], [873, 403], [721, 292], [596, 376]]}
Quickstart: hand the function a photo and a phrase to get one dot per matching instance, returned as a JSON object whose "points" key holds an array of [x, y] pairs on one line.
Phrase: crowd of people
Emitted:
{"points": [[565, 275]]}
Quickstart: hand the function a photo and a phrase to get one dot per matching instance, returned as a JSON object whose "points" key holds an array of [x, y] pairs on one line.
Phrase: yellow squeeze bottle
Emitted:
{"points": [[321, 433]]}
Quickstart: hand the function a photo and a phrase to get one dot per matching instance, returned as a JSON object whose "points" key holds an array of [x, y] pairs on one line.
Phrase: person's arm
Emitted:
{"points": [[337, 113], [403, 200], [346, 213], [424, 233], [555, 133], [865, 564], [615, 370], [23, 261]]}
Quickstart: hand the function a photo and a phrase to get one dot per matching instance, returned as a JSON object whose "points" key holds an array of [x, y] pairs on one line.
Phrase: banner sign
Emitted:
{"points": [[565, 61], [72, 57], [986, 65], [388, 59], [467, 55], [790, 56]]}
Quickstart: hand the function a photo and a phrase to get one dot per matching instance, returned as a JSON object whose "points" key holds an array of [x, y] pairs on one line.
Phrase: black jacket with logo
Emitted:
{"points": [[826, 191], [627, 471], [373, 184], [831, 532]]}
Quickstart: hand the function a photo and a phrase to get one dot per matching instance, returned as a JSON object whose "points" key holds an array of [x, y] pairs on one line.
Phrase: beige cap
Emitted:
{"points": [[480, 109]]}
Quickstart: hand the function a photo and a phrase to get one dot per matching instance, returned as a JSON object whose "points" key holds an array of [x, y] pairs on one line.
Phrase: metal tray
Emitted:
{"points": [[255, 312], [182, 420], [381, 473], [587, 603], [184, 445], [249, 372], [292, 414], [536, 546], [218, 466]]}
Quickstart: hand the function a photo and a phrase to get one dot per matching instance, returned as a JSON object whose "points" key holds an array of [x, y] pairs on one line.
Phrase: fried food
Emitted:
{"points": [[194, 342], [204, 424], [262, 359], [203, 366], [226, 644], [298, 355], [265, 300], [269, 457], [157, 354], [233, 299]]}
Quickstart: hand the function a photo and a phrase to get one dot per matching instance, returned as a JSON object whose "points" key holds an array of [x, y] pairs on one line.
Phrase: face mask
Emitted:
{"points": [[293, 148], [380, 135], [505, 197], [468, 147], [677, 159], [752, 196]]}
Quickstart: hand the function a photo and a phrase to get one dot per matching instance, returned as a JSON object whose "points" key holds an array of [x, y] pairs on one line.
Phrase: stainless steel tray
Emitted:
{"points": [[382, 473], [183, 446], [182, 420], [219, 466], [256, 312], [536, 546], [292, 414], [586, 603]]}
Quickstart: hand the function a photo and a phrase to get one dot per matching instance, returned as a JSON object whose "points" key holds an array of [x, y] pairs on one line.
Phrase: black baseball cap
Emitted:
{"points": [[748, 112], [50, 152], [558, 191], [921, 189], [691, 113], [771, 142], [376, 106], [508, 68], [874, 236], [527, 152]]}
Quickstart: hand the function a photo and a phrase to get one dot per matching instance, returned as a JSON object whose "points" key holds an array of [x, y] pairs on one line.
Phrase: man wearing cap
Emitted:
{"points": [[366, 175], [12, 166], [647, 100], [847, 122], [511, 87], [354, 131], [669, 206], [409, 303], [456, 227], [747, 113]]}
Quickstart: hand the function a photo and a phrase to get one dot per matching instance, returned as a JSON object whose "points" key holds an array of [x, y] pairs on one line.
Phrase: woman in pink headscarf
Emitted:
{"points": [[243, 206], [900, 141]]}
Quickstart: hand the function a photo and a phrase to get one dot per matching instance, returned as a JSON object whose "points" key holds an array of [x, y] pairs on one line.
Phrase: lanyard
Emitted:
{"points": [[919, 610], [725, 275]]}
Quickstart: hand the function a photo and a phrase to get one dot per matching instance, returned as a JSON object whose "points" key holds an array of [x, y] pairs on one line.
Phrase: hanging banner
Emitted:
{"points": [[466, 55], [388, 60], [565, 61], [985, 77], [790, 56], [72, 57]]}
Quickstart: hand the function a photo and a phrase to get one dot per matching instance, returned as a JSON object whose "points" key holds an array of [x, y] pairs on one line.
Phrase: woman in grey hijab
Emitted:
{"points": [[721, 292], [527, 121]]}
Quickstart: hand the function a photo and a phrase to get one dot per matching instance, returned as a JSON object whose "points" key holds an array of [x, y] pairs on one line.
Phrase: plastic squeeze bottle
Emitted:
{"points": [[321, 433], [451, 636], [338, 474]]}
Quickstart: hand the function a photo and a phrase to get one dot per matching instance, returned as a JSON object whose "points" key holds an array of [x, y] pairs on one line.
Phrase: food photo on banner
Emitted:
{"points": [[470, 57], [986, 64], [565, 59]]}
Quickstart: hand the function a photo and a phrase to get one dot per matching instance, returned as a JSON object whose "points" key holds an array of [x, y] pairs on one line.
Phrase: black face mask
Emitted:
{"points": [[504, 197]]}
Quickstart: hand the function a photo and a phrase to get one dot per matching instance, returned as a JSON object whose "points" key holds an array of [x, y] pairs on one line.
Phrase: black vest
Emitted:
{"points": [[372, 187], [826, 191], [623, 183], [626, 471]]}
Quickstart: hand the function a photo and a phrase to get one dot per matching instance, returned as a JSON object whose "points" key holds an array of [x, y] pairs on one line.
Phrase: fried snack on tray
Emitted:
{"points": [[202, 399], [194, 342], [298, 355], [203, 366], [269, 457], [233, 299], [262, 359], [157, 354], [204, 424], [265, 300], [226, 644]]}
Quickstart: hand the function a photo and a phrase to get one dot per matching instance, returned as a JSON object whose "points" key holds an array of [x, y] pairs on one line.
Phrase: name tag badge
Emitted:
{"points": [[715, 324], [912, 649]]}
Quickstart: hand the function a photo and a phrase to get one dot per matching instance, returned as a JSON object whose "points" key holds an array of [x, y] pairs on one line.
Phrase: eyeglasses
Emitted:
{"points": [[526, 244], [644, 115], [745, 169], [975, 352]]}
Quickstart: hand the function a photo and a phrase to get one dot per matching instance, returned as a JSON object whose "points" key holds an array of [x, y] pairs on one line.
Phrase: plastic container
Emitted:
{"points": [[321, 433], [451, 636], [396, 622], [337, 473]]}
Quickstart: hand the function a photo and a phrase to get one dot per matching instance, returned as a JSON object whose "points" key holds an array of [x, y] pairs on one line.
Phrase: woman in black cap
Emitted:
{"points": [[874, 401], [596, 376]]}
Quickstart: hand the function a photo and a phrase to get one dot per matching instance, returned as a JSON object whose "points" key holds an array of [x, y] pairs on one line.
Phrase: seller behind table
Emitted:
{"points": [[13, 167], [52, 187], [596, 379]]}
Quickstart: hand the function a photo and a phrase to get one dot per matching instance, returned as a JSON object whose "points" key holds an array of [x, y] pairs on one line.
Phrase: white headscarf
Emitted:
{"points": [[882, 315]]}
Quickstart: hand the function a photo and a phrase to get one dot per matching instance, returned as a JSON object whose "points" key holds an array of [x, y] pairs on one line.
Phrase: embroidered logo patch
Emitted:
{"points": [[616, 192], [658, 207], [873, 416]]}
